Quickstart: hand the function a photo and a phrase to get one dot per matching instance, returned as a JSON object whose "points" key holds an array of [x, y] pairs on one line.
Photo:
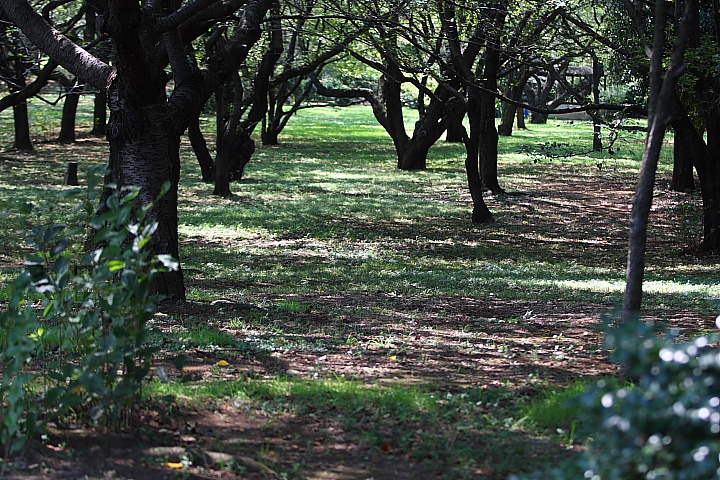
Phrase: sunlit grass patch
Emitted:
{"points": [[458, 432]]}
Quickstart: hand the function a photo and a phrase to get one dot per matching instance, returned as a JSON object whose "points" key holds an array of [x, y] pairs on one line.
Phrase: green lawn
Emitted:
{"points": [[355, 303]]}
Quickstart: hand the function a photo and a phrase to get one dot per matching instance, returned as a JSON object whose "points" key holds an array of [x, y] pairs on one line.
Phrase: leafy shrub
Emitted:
{"points": [[665, 426], [73, 335]]}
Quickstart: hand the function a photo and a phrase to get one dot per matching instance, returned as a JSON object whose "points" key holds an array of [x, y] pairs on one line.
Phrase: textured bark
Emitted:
{"points": [[144, 152]]}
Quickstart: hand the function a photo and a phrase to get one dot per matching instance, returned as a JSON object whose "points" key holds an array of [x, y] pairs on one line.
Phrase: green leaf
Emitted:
{"points": [[37, 334], [129, 279], [61, 265], [53, 231], [115, 265], [25, 208], [131, 193], [60, 247], [48, 308], [34, 260]]}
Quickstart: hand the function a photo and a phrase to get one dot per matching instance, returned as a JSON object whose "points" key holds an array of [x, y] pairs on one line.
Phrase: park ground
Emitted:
{"points": [[346, 321]]}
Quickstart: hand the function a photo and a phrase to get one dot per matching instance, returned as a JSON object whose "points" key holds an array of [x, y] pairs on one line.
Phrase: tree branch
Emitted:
{"points": [[57, 46]]}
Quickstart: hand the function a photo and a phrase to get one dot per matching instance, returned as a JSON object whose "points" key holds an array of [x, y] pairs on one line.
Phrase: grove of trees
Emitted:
{"points": [[454, 65]]}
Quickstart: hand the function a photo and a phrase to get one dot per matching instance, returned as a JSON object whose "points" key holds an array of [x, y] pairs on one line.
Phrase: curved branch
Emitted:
{"points": [[31, 89], [57, 46], [175, 19]]}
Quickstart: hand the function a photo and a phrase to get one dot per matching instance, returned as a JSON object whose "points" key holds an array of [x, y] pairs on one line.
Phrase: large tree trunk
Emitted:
{"points": [[682, 177], [67, 123], [22, 127], [709, 176], [481, 213], [145, 152], [488, 131]]}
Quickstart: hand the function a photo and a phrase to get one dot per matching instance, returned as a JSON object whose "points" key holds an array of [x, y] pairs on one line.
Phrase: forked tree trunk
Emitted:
{"points": [[481, 213]]}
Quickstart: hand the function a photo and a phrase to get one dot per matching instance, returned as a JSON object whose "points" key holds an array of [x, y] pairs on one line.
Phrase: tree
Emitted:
{"points": [[18, 59], [661, 112], [695, 116], [145, 124]]}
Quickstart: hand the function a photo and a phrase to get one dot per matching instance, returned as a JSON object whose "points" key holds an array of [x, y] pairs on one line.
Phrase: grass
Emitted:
{"points": [[384, 418], [360, 298]]}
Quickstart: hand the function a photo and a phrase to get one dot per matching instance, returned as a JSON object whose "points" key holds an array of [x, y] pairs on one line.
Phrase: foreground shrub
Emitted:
{"points": [[666, 425], [73, 337]]}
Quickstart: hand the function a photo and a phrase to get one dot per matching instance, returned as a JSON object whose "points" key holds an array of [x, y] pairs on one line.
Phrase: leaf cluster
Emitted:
{"points": [[665, 425], [73, 337]]}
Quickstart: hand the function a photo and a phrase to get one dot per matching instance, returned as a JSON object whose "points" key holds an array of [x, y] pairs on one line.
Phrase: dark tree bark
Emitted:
{"points": [[683, 179], [597, 125], [455, 132], [488, 131], [511, 111], [202, 153], [67, 122], [521, 119], [233, 155], [99, 127], [481, 213], [22, 127], [539, 95], [661, 103], [708, 169], [99, 114]]}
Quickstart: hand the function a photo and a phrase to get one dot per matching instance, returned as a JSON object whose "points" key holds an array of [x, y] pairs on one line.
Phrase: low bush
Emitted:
{"points": [[666, 425], [73, 334]]}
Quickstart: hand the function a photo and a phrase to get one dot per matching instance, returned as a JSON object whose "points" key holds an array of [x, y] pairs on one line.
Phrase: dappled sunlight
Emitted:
{"points": [[339, 308]]}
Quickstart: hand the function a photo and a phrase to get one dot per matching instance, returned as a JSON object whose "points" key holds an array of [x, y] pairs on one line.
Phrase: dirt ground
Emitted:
{"points": [[552, 341]]}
